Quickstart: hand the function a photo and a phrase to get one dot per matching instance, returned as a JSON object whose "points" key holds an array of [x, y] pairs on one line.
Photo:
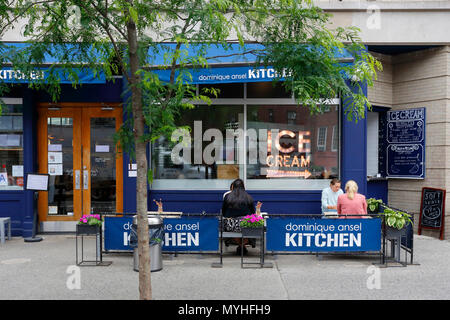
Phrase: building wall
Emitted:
{"points": [[412, 80], [392, 21], [381, 92]]}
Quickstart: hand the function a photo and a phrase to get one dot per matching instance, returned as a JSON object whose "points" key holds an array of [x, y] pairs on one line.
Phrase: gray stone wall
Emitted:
{"points": [[412, 80]]}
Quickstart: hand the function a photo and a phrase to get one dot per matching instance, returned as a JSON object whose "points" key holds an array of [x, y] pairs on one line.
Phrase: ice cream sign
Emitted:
{"points": [[288, 151], [405, 149]]}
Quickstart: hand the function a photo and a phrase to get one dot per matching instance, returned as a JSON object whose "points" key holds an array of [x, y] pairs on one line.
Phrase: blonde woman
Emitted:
{"points": [[351, 204]]}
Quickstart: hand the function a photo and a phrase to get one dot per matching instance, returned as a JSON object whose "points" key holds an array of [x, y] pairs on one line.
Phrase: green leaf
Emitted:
{"points": [[133, 14], [391, 221], [400, 224]]}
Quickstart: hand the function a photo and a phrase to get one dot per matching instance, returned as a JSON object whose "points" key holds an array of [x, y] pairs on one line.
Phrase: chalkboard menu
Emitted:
{"points": [[405, 143], [432, 209]]}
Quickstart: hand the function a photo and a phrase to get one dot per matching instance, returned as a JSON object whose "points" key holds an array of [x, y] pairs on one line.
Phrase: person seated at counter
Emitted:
{"points": [[329, 198], [351, 203], [237, 204], [231, 188]]}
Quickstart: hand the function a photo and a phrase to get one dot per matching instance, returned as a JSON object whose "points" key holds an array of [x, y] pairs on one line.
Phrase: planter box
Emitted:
{"points": [[87, 230], [252, 232], [394, 232]]}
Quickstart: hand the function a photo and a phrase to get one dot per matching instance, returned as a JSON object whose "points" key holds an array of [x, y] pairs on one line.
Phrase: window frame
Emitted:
{"points": [[270, 184], [324, 145]]}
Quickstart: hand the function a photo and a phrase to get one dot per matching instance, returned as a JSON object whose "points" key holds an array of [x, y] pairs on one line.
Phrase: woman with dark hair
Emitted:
{"points": [[236, 204]]}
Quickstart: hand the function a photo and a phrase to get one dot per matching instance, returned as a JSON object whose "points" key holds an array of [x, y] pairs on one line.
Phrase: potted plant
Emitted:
{"points": [[252, 225], [373, 205], [396, 221], [89, 224]]}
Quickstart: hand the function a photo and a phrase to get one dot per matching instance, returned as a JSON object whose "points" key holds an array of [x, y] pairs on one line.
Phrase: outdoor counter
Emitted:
{"points": [[284, 233]]}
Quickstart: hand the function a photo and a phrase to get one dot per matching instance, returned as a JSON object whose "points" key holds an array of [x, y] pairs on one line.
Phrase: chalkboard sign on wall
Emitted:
{"points": [[405, 143], [432, 209]]}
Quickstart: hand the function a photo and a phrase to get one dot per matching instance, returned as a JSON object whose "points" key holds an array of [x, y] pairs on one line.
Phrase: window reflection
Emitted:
{"points": [[298, 145]]}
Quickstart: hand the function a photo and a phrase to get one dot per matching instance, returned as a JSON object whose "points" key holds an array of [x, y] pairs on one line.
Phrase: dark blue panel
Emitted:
{"points": [[129, 184], [12, 204], [30, 153], [109, 92], [378, 189], [292, 202]]}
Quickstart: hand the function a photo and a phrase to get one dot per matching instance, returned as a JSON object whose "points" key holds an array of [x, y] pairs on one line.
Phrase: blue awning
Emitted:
{"points": [[39, 73], [8, 75], [231, 64]]}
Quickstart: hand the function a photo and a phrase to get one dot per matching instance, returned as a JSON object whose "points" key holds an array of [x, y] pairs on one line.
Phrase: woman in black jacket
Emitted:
{"points": [[236, 204]]}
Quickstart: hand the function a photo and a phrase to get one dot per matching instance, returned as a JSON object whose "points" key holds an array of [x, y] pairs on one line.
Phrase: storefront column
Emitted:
{"points": [[29, 156], [354, 148]]}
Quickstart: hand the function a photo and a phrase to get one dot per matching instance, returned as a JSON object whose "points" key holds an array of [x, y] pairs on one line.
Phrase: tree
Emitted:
{"points": [[126, 37]]}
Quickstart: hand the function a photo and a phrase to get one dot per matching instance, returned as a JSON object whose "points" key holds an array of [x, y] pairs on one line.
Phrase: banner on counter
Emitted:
{"points": [[180, 234], [323, 235]]}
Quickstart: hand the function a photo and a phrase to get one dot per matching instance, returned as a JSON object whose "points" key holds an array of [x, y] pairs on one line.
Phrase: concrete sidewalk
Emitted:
{"points": [[40, 271]]}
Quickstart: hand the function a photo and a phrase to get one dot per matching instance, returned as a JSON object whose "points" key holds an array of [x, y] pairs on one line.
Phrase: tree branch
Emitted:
{"points": [[113, 42]]}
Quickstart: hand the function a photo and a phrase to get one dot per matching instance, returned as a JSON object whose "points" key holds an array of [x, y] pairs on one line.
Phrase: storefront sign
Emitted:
{"points": [[180, 234], [405, 151], [323, 235], [8, 75]]}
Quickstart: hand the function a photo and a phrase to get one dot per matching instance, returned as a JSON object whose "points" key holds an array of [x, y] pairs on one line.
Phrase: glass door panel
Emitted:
{"points": [[103, 165], [60, 165], [59, 147]]}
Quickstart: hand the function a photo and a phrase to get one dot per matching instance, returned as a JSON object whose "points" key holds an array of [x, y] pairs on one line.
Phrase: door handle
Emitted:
{"points": [[85, 179], [77, 179]]}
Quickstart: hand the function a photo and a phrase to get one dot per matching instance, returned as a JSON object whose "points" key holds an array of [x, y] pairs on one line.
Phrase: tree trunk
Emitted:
{"points": [[145, 288]]}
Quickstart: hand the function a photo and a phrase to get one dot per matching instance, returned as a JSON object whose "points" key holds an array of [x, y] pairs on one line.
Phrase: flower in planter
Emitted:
{"points": [[91, 220], [252, 221]]}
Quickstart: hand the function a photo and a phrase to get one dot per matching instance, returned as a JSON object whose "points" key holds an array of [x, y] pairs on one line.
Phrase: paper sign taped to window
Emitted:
{"points": [[55, 147], [13, 140], [52, 209], [17, 171], [55, 169], [3, 179], [55, 157], [132, 173], [102, 148]]}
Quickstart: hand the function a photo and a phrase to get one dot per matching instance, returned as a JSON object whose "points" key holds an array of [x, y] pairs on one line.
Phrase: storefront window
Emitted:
{"points": [[271, 147], [209, 158], [281, 149], [11, 146]]}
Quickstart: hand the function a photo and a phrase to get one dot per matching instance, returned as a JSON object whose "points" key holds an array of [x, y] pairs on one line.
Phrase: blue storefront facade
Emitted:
{"points": [[326, 146]]}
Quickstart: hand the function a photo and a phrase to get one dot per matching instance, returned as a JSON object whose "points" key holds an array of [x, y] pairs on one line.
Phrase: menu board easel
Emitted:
{"points": [[432, 210]]}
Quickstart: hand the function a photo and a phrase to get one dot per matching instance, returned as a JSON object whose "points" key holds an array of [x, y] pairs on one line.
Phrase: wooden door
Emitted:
{"points": [[76, 148]]}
